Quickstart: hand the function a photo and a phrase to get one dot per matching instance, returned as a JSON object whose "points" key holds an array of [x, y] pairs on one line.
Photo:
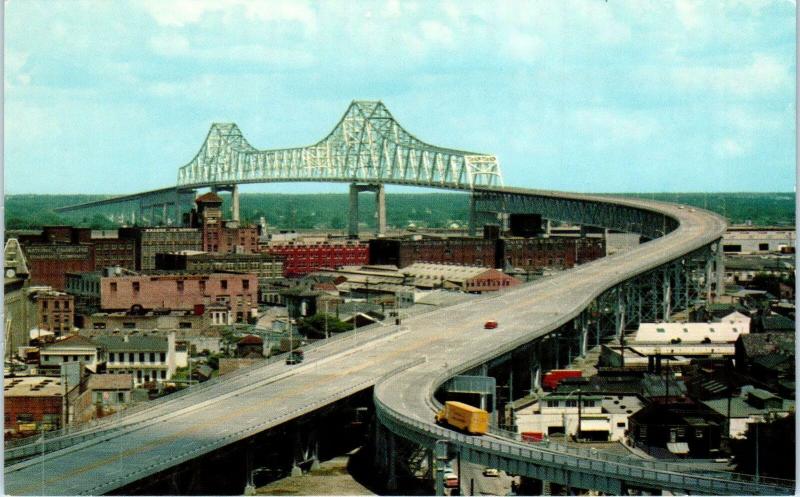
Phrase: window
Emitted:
{"points": [[152, 357], [113, 286], [129, 325], [223, 284], [44, 304], [86, 358], [66, 305], [732, 248], [130, 356], [98, 397], [763, 247], [24, 417], [163, 356], [245, 284], [120, 397], [141, 356], [202, 285], [572, 403], [552, 403], [184, 324], [621, 424], [588, 403], [135, 286], [180, 285]]}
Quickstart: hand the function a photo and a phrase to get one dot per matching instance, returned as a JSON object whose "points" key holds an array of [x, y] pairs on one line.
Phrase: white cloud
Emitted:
{"points": [[522, 46], [169, 44], [179, 13], [435, 32], [688, 14], [728, 148], [764, 75], [610, 127]]}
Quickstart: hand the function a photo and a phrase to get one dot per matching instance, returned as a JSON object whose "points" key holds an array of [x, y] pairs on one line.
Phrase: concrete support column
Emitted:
{"points": [[719, 263], [667, 291], [235, 203], [471, 224], [164, 215], [547, 227], [391, 481], [584, 333], [352, 230], [380, 207]]}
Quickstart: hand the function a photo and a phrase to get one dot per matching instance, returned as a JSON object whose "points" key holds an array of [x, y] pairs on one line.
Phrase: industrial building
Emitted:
{"points": [[151, 241], [265, 266], [301, 259], [527, 254], [752, 240]]}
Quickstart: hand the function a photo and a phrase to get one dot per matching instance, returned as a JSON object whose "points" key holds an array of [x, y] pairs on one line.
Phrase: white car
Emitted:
{"points": [[491, 472]]}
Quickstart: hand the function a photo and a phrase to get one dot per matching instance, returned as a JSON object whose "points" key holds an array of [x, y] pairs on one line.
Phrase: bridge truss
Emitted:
{"points": [[367, 145]]}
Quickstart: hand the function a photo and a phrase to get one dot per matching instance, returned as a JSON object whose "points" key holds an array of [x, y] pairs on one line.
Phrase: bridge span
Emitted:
{"points": [[420, 355]]}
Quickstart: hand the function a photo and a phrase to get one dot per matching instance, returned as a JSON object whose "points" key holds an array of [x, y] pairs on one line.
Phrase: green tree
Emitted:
{"points": [[314, 326]]}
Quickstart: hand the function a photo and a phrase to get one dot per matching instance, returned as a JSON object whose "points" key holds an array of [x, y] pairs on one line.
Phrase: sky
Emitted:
{"points": [[591, 96]]}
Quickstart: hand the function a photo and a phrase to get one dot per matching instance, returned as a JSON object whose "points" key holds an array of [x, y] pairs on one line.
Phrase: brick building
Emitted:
{"points": [[151, 241], [218, 236], [32, 403], [517, 252], [55, 311], [461, 250], [181, 291], [49, 262], [301, 259], [265, 266], [107, 249]]}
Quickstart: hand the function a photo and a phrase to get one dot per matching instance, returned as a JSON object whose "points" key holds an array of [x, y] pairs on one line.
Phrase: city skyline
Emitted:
{"points": [[644, 95]]}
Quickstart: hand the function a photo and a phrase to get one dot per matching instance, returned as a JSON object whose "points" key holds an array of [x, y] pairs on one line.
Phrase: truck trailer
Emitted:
{"points": [[464, 417]]}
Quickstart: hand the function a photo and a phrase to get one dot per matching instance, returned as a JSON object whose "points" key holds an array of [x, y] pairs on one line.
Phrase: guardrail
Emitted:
{"points": [[671, 467], [626, 472], [111, 425]]}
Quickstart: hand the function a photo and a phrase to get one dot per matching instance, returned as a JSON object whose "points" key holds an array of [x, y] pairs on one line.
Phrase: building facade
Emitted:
{"points": [[151, 241], [238, 291], [146, 358], [265, 266], [301, 259]]}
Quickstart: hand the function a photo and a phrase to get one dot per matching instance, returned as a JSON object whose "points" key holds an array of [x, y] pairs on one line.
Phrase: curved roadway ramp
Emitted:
{"points": [[413, 359]]}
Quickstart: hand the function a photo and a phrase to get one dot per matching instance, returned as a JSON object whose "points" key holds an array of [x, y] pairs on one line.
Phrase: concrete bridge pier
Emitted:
{"points": [[380, 208], [306, 450]]}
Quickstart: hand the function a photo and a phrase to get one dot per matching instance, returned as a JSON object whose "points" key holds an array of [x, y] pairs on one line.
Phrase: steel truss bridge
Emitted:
{"points": [[407, 364]]}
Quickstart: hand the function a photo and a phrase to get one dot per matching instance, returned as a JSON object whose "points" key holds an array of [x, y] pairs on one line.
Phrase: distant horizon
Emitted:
{"points": [[453, 192]]}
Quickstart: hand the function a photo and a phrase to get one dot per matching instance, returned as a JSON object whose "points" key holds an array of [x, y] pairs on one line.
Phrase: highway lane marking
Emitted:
{"points": [[196, 427]]}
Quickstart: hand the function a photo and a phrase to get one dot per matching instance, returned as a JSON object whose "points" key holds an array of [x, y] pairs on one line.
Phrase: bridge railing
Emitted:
{"points": [[74, 434], [652, 476], [671, 467]]}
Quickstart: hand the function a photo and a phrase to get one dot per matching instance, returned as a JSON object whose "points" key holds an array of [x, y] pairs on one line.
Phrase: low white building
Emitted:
{"points": [[147, 358], [602, 417], [726, 331], [73, 348]]}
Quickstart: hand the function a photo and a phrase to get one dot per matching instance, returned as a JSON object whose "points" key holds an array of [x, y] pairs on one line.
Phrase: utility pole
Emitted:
{"points": [[326, 321], [580, 403]]}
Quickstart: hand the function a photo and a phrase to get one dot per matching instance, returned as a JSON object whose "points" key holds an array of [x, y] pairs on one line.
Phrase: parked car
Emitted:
{"points": [[490, 324], [450, 480], [491, 472]]}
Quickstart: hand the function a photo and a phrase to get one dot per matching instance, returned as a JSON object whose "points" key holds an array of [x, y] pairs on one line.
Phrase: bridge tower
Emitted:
{"points": [[380, 207]]}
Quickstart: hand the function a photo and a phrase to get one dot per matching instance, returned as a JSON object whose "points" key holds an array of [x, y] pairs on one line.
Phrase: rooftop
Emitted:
{"points": [[72, 342], [110, 382], [32, 386], [133, 343]]}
